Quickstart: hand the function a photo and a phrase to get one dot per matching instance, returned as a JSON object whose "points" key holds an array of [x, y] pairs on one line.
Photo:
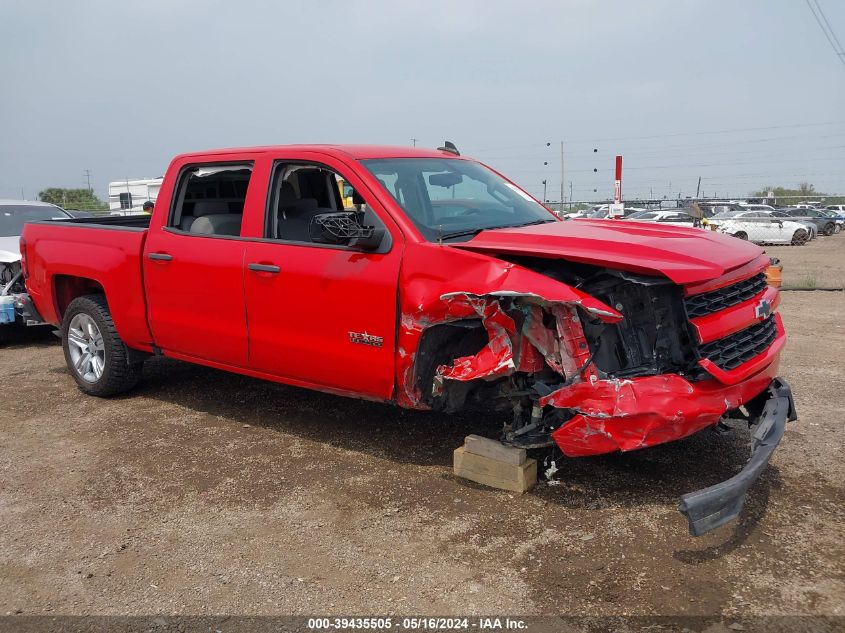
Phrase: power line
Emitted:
{"points": [[828, 31], [668, 135], [829, 27]]}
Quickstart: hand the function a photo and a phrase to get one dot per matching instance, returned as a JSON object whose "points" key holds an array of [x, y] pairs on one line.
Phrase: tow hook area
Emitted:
{"points": [[711, 507]]}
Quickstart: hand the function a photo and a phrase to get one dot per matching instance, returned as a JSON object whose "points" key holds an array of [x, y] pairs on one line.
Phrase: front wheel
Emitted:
{"points": [[97, 358], [741, 235], [829, 229], [799, 237]]}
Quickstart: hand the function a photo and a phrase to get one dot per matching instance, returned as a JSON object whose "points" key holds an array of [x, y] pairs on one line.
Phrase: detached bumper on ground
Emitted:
{"points": [[714, 506]]}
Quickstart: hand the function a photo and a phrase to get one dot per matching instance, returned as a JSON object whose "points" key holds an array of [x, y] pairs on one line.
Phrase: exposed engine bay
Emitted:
{"points": [[525, 354]]}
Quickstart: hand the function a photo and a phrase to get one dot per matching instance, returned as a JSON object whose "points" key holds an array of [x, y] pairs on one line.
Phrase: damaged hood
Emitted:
{"points": [[10, 249], [684, 255]]}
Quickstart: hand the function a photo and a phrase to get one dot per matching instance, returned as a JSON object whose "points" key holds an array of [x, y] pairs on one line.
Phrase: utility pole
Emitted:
{"points": [[562, 174], [698, 188], [545, 199], [414, 141], [570, 194], [87, 173]]}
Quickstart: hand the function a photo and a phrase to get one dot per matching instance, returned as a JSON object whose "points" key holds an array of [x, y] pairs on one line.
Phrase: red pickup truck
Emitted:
{"points": [[439, 285]]}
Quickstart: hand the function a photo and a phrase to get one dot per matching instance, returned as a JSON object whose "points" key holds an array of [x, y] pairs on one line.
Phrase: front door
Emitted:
{"points": [[321, 314]]}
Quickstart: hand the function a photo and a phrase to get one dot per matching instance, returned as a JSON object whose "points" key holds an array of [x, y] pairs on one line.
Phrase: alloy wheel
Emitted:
{"points": [[86, 348]]}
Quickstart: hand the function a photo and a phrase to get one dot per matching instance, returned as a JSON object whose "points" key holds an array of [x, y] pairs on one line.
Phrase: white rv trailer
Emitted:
{"points": [[129, 196]]}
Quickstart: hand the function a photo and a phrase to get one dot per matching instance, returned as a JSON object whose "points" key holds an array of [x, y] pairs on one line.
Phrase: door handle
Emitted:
{"points": [[263, 268], [162, 257]]}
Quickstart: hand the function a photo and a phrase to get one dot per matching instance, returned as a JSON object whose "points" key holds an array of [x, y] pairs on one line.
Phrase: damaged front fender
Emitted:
{"points": [[511, 303]]}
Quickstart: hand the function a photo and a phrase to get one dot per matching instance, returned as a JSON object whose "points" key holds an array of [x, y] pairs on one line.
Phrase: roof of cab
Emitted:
{"points": [[358, 152]]}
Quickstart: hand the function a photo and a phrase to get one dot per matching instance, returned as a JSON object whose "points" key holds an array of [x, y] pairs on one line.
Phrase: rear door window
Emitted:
{"points": [[210, 199]]}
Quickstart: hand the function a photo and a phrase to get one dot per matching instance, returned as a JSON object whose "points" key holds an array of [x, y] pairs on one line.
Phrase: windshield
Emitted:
{"points": [[12, 218], [447, 198]]}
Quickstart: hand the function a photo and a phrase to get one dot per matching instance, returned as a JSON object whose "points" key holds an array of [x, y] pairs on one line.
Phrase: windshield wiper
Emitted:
{"points": [[447, 236]]}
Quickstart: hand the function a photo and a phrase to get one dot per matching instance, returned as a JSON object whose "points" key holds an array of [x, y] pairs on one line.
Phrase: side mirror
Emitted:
{"points": [[370, 243], [344, 227]]}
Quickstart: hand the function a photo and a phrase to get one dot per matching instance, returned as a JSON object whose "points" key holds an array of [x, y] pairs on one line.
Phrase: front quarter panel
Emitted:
{"points": [[432, 275]]}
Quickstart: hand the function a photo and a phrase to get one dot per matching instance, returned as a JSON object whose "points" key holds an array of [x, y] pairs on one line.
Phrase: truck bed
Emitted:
{"points": [[109, 221], [90, 255]]}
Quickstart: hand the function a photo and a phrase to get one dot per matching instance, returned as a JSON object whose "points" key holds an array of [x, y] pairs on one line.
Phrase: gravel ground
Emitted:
{"points": [[819, 263], [206, 493]]}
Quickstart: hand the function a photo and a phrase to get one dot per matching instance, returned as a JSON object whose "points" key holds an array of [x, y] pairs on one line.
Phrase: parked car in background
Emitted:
{"points": [[671, 217], [14, 303], [783, 214], [825, 224], [837, 213], [603, 212], [759, 227], [711, 207]]}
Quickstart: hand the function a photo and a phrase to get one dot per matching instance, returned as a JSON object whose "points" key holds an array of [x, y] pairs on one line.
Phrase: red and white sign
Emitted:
{"points": [[617, 189]]}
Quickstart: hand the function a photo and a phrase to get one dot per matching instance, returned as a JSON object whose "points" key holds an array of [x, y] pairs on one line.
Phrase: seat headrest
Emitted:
{"points": [[287, 195], [292, 206], [210, 207]]}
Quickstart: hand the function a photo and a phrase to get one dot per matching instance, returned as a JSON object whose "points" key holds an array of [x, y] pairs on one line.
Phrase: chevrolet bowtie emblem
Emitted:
{"points": [[763, 309]]}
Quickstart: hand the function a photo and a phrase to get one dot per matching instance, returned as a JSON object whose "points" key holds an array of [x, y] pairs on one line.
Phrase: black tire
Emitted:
{"points": [[799, 237], [829, 229], [120, 370], [742, 235]]}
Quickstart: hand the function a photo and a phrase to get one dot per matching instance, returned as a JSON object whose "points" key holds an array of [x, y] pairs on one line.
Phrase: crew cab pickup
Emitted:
{"points": [[444, 286]]}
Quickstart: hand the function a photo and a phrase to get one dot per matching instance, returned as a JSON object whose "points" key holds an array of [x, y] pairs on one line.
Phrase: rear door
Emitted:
{"points": [[193, 262], [320, 314]]}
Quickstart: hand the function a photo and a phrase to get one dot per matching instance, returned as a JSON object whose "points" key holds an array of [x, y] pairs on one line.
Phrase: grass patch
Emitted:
{"points": [[810, 282]]}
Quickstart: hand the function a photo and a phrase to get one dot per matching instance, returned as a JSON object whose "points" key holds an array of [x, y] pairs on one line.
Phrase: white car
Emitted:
{"points": [[13, 215], [759, 227], [663, 216]]}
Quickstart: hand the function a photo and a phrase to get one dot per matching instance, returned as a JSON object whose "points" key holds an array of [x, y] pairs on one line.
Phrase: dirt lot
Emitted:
{"points": [[208, 493], [819, 264]]}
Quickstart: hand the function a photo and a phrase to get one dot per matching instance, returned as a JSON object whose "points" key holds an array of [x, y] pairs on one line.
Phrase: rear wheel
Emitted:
{"points": [[97, 358], [799, 237], [741, 235]]}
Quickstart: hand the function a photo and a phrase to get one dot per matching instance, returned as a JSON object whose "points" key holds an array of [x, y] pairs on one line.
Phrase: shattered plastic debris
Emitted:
{"points": [[564, 348]]}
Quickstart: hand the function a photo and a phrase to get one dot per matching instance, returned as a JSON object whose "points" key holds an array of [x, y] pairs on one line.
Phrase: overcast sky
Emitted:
{"points": [[682, 88]]}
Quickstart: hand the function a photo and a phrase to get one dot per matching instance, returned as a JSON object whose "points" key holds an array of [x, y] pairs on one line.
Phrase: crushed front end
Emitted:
{"points": [[648, 362]]}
